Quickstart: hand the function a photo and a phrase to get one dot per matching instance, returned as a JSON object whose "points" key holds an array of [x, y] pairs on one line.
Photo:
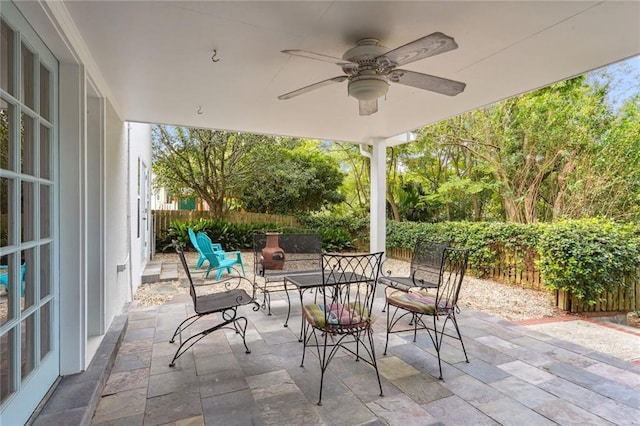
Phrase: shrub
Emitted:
{"points": [[233, 236], [486, 240], [589, 257]]}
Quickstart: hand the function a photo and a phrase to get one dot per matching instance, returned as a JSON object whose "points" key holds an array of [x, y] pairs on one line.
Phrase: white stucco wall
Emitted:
{"points": [[117, 283], [140, 154], [126, 145]]}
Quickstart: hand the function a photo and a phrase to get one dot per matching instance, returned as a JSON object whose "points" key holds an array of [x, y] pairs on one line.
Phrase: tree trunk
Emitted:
{"points": [[558, 203], [392, 203], [512, 210], [477, 215]]}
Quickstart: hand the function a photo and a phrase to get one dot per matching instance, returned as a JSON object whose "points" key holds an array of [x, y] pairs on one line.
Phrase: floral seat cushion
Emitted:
{"points": [[336, 315], [418, 302]]}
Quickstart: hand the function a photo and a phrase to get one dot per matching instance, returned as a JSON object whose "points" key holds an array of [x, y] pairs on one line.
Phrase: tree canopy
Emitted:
{"points": [[259, 173], [559, 152]]}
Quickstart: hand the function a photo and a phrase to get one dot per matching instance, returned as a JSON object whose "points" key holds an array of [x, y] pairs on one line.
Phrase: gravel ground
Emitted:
{"points": [[508, 302]]}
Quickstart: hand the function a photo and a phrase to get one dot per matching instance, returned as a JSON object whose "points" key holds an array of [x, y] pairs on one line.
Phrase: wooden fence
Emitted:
{"points": [[163, 218], [520, 269]]}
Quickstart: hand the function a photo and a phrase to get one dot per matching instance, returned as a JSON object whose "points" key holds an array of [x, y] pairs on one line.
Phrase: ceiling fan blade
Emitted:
{"points": [[313, 86], [431, 45], [368, 107], [319, 57], [427, 82]]}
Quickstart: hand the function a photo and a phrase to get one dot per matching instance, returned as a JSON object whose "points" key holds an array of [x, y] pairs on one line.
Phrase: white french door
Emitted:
{"points": [[29, 344]]}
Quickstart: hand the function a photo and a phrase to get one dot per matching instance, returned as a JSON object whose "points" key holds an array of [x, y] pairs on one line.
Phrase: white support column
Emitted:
{"points": [[73, 221], [378, 196]]}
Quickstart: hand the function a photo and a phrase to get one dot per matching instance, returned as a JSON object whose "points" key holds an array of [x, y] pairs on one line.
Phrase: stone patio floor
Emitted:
{"points": [[515, 376]]}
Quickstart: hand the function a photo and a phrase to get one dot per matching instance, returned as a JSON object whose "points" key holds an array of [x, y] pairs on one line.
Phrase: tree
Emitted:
{"points": [[531, 143], [293, 177], [607, 183], [356, 186], [206, 163], [260, 173]]}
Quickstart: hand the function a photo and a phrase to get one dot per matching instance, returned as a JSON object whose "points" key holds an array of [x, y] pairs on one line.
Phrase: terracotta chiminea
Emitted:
{"points": [[272, 254]]}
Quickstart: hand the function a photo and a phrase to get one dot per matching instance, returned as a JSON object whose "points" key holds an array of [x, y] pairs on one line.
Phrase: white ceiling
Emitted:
{"points": [[155, 57]]}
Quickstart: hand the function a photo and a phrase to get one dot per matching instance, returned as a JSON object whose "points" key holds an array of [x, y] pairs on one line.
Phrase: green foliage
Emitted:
{"points": [[585, 257], [589, 257], [232, 236], [292, 177], [337, 233], [210, 164], [557, 152], [485, 240], [335, 239]]}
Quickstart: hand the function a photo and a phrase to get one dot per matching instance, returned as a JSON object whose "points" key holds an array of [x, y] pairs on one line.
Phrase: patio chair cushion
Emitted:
{"points": [[336, 315], [418, 302]]}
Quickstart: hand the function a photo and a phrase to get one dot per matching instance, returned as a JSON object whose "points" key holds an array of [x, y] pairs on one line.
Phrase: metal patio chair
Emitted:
{"points": [[440, 304], [221, 298], [340, 312], [426, 262]]}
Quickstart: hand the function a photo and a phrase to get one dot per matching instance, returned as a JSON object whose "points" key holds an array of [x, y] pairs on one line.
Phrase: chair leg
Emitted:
{"points": [[455, 324], [388, 328], [373, 356], [200, 262], [180, 327], [438, 342], [228, 317], [267, 299], [323, 366], [303, 332], [243, 332]]}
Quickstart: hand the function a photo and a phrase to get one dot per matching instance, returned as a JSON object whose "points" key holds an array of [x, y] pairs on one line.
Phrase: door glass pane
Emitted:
{"points": [[44, 92], [27, 211], [45, 330], [6, 365], [7, 195], [27, 92], [27, 342], [7, 284], [27, 144], [45, 213], [6, 58], [45, 270], [27, 286], [6, 129], [45, 152]]}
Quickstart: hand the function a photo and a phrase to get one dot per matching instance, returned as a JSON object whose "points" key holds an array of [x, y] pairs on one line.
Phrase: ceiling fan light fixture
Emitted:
{"points": [[368, 88]]}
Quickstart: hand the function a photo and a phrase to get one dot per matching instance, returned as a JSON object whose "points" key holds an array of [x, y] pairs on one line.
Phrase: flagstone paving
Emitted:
{"points": [[516, 375]]}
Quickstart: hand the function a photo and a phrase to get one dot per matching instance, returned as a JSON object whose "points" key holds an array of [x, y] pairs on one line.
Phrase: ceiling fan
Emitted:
{"points": [[370, 67]]}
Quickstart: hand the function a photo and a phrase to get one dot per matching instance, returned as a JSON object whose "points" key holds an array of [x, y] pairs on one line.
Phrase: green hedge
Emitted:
{"points": [[589, 257], [586, 257], [235, 236]]}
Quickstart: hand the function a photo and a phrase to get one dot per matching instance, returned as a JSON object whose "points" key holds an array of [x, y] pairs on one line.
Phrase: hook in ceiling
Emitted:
{"points": [[213, 58]]}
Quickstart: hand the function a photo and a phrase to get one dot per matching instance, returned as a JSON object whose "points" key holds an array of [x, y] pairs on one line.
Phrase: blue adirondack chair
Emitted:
{"points": [[194, 243], [218, 259], [4, 277]]}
